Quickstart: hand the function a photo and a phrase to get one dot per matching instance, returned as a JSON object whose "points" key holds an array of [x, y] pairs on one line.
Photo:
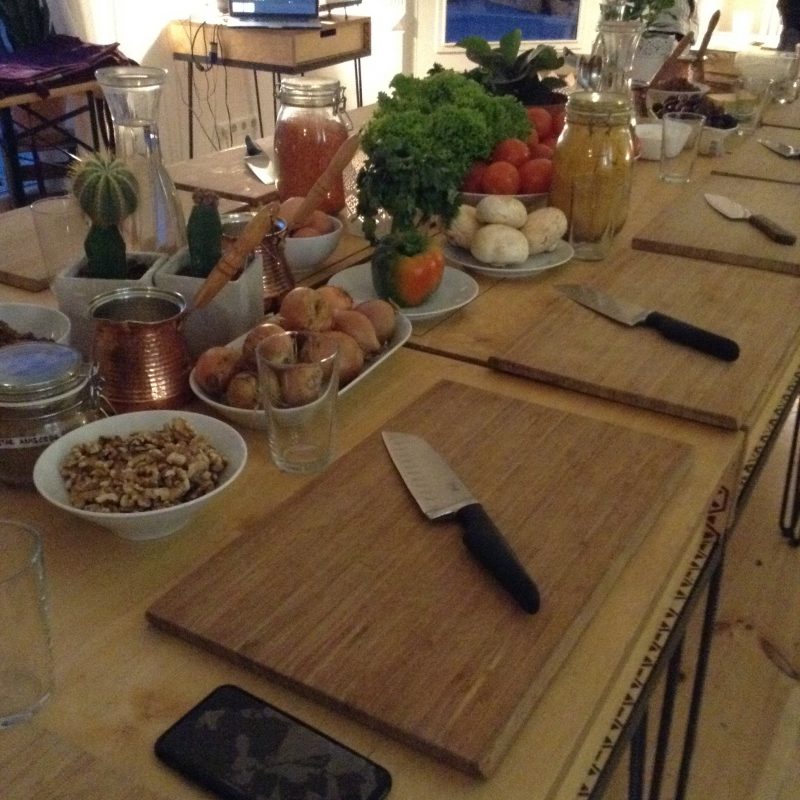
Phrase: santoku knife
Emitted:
{"points": [[673, 329], [258, 162], [440, 493], [733, 210]]}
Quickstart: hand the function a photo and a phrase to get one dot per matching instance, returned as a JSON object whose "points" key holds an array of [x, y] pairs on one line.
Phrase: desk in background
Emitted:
{"points": [[280, 52]]}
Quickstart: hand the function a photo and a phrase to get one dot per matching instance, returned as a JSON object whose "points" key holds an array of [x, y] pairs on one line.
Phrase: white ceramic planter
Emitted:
{"points": [[236, 309], [75, 293]]}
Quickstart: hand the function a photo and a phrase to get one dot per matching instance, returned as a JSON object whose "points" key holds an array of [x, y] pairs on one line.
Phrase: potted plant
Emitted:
{"points": [[505, 70], [107, 192], [419, 144], [240, 303]]}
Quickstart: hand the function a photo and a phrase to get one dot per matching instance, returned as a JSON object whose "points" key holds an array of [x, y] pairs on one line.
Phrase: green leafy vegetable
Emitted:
{"points": [[421, 141]]}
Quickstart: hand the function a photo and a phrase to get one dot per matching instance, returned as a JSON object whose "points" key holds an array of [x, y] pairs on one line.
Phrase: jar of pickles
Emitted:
{"points": [[46, 389], [597, 140], [310, 127]]}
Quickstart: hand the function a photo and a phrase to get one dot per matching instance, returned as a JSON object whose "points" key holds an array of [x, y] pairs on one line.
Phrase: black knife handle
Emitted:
{"points": [[490, 548], [772, 229], [682, 332]]}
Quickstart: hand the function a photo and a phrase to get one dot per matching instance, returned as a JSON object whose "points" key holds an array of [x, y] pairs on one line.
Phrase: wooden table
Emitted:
{"points": [[120, 683], [277, 51]]}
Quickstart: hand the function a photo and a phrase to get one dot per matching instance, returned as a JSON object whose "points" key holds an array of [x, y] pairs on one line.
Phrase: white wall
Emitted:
{"points": [[139, 27]]}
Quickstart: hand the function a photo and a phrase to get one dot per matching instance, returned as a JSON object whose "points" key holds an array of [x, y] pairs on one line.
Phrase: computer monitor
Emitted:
{"points": [[273, 13]]}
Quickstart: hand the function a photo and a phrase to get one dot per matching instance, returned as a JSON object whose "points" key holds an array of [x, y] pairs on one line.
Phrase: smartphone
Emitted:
{"points": [[243, 748]]}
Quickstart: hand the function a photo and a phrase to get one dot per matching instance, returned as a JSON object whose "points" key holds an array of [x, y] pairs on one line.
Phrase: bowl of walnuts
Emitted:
{"points": [[143, 475]]}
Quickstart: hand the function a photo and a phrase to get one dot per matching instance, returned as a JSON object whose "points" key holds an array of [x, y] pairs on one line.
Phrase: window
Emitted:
{"points": [[537, 19]]}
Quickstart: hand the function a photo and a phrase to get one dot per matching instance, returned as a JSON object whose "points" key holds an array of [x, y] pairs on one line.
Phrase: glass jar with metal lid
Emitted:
{"points": [[312, 123], [46, 389], [597, 140]]}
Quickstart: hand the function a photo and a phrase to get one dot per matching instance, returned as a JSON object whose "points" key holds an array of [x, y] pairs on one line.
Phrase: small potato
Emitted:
{"points": [[320, 221], [499, 245], [502, 211], [305, 232]]}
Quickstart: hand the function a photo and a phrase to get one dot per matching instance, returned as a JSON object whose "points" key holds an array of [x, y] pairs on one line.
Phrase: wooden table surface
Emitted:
{"points": [[120, 683]]}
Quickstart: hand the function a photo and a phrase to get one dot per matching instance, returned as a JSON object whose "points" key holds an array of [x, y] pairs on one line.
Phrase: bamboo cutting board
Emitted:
{"points": [[347, 593], [782, 116], [560, 342], [753, 160], [690, 227]]}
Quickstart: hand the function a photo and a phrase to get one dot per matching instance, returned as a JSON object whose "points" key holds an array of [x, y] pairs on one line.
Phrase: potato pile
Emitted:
{"points": [[500, 231], [361, 332]]}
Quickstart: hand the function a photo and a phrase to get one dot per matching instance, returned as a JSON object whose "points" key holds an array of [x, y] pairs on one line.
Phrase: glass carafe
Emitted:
{"points": [[132, 94]]}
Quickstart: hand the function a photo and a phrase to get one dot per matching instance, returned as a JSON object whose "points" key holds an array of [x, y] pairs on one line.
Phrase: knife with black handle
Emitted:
{"points": [[485, 542], [690, 335]]}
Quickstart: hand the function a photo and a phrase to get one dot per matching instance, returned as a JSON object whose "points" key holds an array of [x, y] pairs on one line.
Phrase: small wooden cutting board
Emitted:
{"points": [[753, 160], [347, 593], [782, 116], [691, 227], [20, 257]]}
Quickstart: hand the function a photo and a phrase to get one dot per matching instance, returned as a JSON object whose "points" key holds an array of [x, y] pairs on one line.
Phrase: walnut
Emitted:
{"points": [[142, 471]]}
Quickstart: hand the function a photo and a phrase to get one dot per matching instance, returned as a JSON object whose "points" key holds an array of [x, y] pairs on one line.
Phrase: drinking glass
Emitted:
{"points": [[26, 669], [61, 229], [679, 142], [299, 383], [751, 97]]}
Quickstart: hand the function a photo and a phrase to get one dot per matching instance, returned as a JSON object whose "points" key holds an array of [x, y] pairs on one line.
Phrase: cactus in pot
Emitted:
{"points": [[204, 234], [107, 191]]}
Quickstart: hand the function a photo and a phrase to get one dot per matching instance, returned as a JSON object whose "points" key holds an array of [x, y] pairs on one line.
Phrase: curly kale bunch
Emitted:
{"points": [[421, 141]]}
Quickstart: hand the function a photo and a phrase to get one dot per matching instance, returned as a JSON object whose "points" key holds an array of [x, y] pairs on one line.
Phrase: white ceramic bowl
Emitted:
{"points": [[304, 255], [139, 525], [43, 322], [659, 96], [649, 135], [713, 140]]}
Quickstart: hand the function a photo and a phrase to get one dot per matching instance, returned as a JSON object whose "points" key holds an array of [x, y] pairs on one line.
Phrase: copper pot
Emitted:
{"points": [[137, 344]]}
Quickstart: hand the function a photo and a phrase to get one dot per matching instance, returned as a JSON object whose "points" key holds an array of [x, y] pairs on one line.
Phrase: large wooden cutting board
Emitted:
{"points": [[349, 594], [561, 342], [753, 160], [690, 227]]}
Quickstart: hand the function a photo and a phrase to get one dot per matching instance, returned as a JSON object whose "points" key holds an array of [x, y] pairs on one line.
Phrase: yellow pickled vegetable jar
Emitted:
{"points": [[597, 140]]}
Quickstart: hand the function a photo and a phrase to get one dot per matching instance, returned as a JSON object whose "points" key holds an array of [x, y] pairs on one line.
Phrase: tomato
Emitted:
{"points": [[536, 176], [500, 178], [532, 139], [541, 119], [407, 267], [515, 151], [559, 116], [550, 142], [541, 150], [472, 180]]}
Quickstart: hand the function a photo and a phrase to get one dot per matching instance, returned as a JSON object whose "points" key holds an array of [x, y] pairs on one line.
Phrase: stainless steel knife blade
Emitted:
{"points": [[733, 210], [261, 167], [439, 492], [669, 327], [782, 149]]}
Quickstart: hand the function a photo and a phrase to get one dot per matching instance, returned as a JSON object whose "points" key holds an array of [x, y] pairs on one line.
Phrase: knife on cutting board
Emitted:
{"points": [[733, 210], [673, 329], [782, 149], [258, 162], [440, 493]]}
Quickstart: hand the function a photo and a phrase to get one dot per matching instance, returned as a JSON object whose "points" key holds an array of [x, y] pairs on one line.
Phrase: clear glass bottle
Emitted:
{"points": [[46, 390], [310, 127], [597, 139], [133, 94]]}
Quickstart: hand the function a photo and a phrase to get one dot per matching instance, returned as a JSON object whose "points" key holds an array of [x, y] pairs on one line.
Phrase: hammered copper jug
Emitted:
{"points": [[137, 344]]}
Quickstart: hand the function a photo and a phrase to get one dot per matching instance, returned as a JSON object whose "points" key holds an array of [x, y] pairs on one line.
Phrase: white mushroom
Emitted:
{"points": [[543, 229], [503, 210], [499, 245], [463, 227]]}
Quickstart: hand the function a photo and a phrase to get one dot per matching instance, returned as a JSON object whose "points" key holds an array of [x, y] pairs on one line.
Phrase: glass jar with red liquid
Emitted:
{"points": [[310, 127]]}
